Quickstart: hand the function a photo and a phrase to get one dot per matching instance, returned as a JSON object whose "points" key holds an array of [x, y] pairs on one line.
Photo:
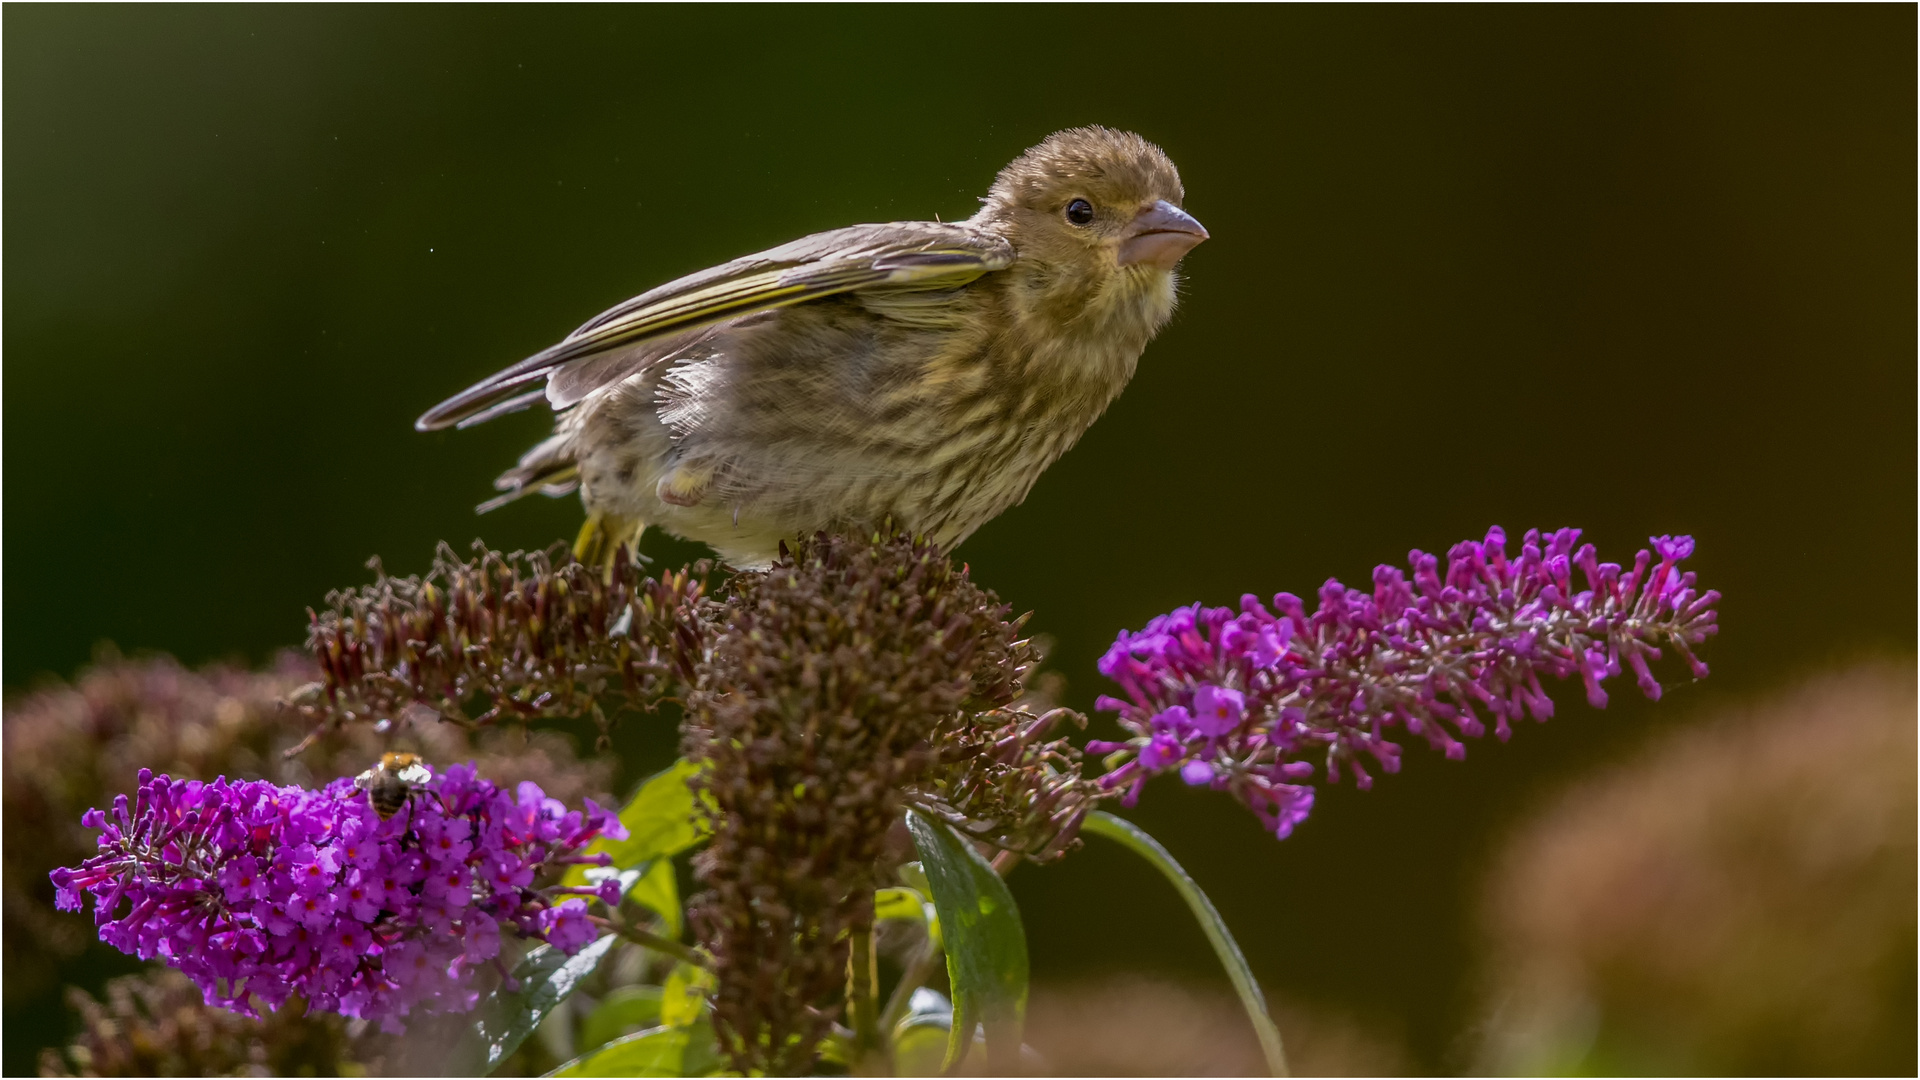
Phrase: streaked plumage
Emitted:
{"points": [[921, 371]]}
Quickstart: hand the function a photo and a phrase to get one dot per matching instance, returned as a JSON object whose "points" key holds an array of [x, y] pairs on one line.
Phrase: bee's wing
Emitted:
{"points": [[364, 778], [416, 773], [899, 256]]}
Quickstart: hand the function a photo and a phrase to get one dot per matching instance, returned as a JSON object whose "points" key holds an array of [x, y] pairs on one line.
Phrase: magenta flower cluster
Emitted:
{"points": [[257, 892], [1255, 702]]}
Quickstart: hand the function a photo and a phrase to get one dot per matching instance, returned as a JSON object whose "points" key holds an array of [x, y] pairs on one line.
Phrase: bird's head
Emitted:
{"points": [[1095, 217]]}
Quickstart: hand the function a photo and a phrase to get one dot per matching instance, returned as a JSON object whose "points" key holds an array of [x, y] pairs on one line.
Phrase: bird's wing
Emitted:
{"points": [[899, 256]]}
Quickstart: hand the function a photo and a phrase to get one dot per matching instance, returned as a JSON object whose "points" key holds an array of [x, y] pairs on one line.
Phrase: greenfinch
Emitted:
{"points": [[923, 373]]}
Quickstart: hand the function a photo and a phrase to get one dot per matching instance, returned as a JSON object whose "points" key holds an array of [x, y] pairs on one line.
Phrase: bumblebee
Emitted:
{"points": [[392, 782]]}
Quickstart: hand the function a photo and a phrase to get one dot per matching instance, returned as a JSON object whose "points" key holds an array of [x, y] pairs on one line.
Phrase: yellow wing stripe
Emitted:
{"points": [[776, 289]]}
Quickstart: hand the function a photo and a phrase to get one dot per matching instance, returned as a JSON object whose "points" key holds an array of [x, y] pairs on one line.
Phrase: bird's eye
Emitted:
{"points": [[1080, 212]]}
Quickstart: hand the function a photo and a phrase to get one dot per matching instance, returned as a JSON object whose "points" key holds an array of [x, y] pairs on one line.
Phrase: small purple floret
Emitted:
{"points": [[1250, 700], [566, 925], [1197, 773], [258, 892]]}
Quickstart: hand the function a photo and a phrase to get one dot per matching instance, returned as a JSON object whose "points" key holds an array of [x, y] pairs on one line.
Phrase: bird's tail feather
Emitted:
{"points": [[548, 468]]}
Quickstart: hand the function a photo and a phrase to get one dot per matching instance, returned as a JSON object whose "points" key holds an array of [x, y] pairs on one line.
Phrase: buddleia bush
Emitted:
{"points": [[867, 754]]}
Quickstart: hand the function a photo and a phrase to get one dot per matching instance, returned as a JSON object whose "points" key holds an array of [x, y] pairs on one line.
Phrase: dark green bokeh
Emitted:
{"points": [[1637, 269]]}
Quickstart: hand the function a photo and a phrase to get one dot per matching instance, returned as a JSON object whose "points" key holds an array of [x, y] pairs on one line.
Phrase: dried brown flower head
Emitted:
{"points": [[1128, 1025], [817, 713], [155, 1024], [1736, 900], [530, 635], [71, 747], [1001, 780]]}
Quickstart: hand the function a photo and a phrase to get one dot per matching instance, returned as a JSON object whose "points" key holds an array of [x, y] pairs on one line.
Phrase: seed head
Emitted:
{"points": [[528, 635], [156, 1024], [818, 713]]}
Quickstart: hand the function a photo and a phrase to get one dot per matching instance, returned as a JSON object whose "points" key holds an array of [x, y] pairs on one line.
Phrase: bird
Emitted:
{"points": [[917, 373]]}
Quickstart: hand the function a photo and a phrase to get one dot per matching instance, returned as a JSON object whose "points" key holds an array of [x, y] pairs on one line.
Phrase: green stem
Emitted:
{"points": [[657, 943], [1130, 836], [862, 980]]}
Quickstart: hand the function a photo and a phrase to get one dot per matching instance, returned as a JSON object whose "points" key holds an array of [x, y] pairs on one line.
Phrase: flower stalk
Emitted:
{"points": [[648, 940], [863, 981]]}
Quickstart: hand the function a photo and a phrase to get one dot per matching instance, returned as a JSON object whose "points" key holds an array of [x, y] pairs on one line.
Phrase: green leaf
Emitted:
{"points": [[835, 1050], [921, 1038], [654, 1052], [1135, 839], [624, 1010], [661, 1051], [546, 976], [659, 892], [915, 878], [985, 943], [926, 1008], [684, 998], [702, 1057], [662, 819], [920, 1050], [905, 905]]}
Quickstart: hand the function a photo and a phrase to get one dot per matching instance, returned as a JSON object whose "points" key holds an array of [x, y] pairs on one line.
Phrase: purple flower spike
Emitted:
{"points": [[257, 892], [1251, 700]]}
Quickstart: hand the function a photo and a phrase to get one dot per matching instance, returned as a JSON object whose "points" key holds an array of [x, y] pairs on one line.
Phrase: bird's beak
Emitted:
{"points": [[1160, 236]]}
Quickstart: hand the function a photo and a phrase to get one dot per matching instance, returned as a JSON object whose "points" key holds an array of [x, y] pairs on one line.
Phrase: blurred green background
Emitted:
{"points": [[1638, 269]]}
